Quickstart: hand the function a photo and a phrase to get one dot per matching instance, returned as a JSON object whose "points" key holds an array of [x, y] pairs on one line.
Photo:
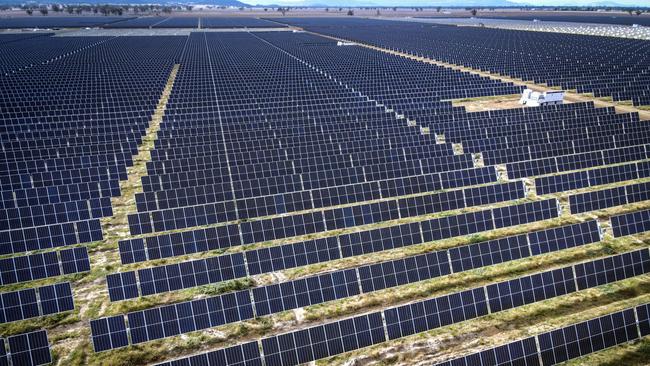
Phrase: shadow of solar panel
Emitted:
{"points": [[30, 349], [108, 333]]}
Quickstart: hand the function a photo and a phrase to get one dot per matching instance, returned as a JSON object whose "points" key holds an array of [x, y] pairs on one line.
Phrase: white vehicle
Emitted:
{"points": [[535, 99]]}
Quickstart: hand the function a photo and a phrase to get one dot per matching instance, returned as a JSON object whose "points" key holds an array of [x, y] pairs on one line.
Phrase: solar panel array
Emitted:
{"points": [[214, 311], [311, 152], [361, 331], [566, 343], [620, 65], [218, 269]]}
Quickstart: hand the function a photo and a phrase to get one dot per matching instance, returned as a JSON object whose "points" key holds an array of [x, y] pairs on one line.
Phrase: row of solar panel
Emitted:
{"points": [[336, 191], [565, 163], [347, 194], [43, 265], [336, 218], [631, 223], [55, 213], [606, 198], [35, 302], [218, 310], [337, 337], [47, 237], [563, 344], [28, 349], [217, 269], [592, 177], [58, 194]]}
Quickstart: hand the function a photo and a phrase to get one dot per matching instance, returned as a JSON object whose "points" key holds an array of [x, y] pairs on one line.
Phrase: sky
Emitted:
{"points": [[639, 3]]}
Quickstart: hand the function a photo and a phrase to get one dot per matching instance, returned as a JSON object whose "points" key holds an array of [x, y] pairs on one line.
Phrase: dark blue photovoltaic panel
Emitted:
{"points": [[631, 223], [75, 260], [517, 353], [18, 305], [611, 269], [306, 291], [525, 213], [4, 360], [108, 333], [435, 313], [56, 298], [29, 268], [247, 354], [122, 286], [564, 237], [529, 289], [185, 317], [587, 337], [277, 258], [30, 349], [399, 272], [323, 341], [488, 253]]}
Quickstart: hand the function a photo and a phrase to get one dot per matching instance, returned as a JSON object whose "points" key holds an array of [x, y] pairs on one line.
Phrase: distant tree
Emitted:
{"points": [[78, 10], [630, 11], [378, 13], [95, 10], [266, 9], [638, 12], [473, 11], [69, 9], [56, 8], [394, 8], [43, 10], [30, 11], [340, 9], [438, 9], [167, 10], [189, 7], [350, 12], [327, 9]]}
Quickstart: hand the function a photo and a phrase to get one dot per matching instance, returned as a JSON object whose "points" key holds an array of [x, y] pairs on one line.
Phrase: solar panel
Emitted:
{"points": [[587, 337], [612, 269], [108, 333], [75, 260], [4, 358], [30, 349], [18, 305], [56, 298], [631, 223], [247, 354], [564, 237], [122, 286], [521, 352], [323, 341], [488, 253], [529, 289]]}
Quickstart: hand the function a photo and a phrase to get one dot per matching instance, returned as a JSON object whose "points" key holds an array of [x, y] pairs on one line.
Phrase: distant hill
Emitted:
{"points": [[233, 3]]}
